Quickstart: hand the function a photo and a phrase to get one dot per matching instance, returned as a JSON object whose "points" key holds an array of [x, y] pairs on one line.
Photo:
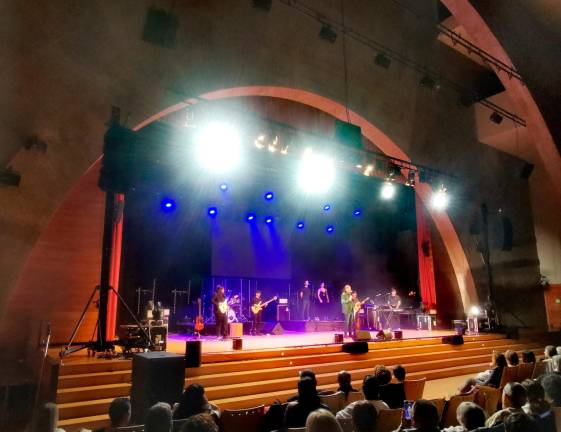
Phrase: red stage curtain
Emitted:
{"points": [[424, 251], [112, 300]]}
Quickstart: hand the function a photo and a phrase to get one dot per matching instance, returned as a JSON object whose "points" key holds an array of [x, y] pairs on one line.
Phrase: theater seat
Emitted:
{"points": [[389, 419], [249, 419]]}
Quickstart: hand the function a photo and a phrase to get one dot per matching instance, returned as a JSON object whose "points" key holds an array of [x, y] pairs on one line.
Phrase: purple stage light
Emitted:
{"points": [[269, 220], [223, 187], [250, 217], [212, 212], [300, 225], [357, 212], [167, 205], [329, 229], [269, 196], [327, 207]]}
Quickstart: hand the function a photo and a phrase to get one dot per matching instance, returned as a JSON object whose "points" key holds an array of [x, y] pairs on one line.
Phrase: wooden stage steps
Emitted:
{"points": [[242, 379]]}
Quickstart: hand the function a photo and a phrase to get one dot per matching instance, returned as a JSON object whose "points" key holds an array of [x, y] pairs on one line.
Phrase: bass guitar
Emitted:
{"points": [[258, 307], [199, 321]]}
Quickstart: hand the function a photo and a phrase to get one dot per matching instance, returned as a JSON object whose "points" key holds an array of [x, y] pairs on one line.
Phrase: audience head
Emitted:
{"points": [[322, 420], [536, 396], [370, 388], [470, 415], [193, 401], [47, 417], [528, 357], [499, 360], [365, 417], [120, 412], [307, 393], [550, 351], [511, 357], [556, 363], [425, 415], [520, 422], [200, 423], [344, 380], [308, 373], [158, 418], [514, 395], [399, 373], [552, 387], [382, 374], [558, 350]]}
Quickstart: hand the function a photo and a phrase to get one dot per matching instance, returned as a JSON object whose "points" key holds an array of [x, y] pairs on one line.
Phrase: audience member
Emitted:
{"points": [[528, 357], [308, 400], [365, 417], [120, 412], [399, 373], [424, 418], [512, 358], [536, 404], [520, 422], [551, 384], [345, 383], [470, 416], [322, 420], [308, 373], [370, 389], [203, 422], [492, 377], [382, 374], [393, 394], [194, 401], [549, 353], [514, 398], [159, 418]]}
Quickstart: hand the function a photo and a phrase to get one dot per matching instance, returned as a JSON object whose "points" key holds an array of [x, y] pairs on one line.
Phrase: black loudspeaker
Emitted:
{"points": [[362, 335], [118, 164], [156, 377], [398, 334], [507, 234], [237, 344], [193, 354], [355, 347], [339, 338], [348, 134], [277, 329], [526, 171], [453, 340], [160, 27]]}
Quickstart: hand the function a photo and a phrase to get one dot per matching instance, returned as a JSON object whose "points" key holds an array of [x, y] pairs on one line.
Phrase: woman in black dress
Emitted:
{"points": [[323, 302]]}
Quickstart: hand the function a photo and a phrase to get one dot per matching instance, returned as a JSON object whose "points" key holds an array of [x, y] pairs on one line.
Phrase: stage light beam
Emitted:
{"points": [[168, 205], [316, 172], [440, 199], [388, 190], [327, 207], [269, 196], [223, 187], [269, 220], [250, 217], [218, 147], [212, 212], [357, 212], [329, 229], [300, 225]]}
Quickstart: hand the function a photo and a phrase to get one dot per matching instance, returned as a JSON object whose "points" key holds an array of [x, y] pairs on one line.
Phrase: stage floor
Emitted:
{"points": [[210, 344]]}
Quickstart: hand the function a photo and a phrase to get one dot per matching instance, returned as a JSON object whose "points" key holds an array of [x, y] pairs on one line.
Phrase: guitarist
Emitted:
{"points": [[220, 317], [256, 328]]}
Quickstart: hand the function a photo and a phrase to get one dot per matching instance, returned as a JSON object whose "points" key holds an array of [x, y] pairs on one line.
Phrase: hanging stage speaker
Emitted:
{"points": [[355, 347], [193, 354], [156, 377], [348, 134]]}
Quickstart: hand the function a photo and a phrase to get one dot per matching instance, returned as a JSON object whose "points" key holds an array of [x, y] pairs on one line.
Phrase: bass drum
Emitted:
{"points": [[232, 317]]}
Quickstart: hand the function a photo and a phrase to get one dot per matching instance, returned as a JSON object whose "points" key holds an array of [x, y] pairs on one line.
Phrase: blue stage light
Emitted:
{"points": [[269, 220], [250, 217], [212, 212], [300, 225], [327, 207], [329, 229], [357, 212], [168, 205], [223, 187], [269, 196]]}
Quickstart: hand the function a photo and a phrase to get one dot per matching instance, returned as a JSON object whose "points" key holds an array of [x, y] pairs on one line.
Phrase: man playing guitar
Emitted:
{"points": [[220, 307], [257, 306], [357, 305]]}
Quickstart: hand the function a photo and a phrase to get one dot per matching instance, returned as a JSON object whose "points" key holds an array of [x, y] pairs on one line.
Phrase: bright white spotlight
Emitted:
{"points": [[218, 147], [388, 190], [440, 199], [316, 172], [474, 311]]}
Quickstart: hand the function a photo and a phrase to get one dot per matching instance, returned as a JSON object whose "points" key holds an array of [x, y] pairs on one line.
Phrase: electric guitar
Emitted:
{"points": [[199, 321], [358, 304], [257, 307], [223, 306]]}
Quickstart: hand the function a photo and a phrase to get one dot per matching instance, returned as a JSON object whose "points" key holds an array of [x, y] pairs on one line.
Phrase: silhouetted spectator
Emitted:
{"points": [[370, 388], [200, 423], [399, 373], [345, 383], [492, 377], [308, 400], [551, 384], [382, 374], [520, 422], [528, 357], [159, 418], [470, 416], [193, 401], [322, 420], [512, 358], [536, 404], [364, 417], [549, 353], [514, 398], [308, 373], [424, 418], [120, 412]]}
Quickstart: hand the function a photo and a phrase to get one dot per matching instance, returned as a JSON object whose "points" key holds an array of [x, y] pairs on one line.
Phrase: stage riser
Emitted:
{"points": [[312, 326]]}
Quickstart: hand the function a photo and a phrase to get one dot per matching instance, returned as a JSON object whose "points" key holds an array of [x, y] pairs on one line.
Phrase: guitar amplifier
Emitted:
{"points": [[283, 313]]}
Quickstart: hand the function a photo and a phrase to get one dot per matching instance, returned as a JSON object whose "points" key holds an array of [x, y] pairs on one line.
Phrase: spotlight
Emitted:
{"points": [[410, 178], [368, 170], [316, 173], [495, 117], [167, 205], [475, 310], [300, 225], [382, 60], [440, 199], [212, 212], [328, 34], [329, 229], [269, 196], [250, 217], [223, 187], [327, 207], [269, 220], [260, 141], [218, 147], [357, 212], [388, 190]]}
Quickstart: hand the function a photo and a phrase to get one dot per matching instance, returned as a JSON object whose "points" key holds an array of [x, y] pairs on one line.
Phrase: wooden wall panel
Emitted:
{"points": [[552, 298]]}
